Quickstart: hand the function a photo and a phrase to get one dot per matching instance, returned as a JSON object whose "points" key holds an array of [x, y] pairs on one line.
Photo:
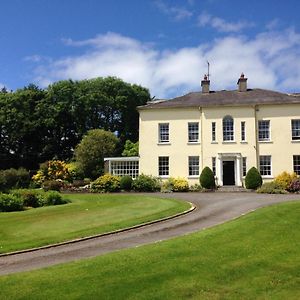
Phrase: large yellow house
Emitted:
{"points": [[228, 131]]}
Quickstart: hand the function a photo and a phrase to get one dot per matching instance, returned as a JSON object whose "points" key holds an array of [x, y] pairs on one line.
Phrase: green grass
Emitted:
{"points": [[253, 257], [88, 214]]}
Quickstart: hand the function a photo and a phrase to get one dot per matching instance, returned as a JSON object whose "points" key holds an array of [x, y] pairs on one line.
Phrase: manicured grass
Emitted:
{"points": [[88, 214], [254, 257]]}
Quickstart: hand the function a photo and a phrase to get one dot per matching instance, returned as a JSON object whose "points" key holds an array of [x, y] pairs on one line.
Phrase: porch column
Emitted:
{"points": [[238, 171], [219, 170]]}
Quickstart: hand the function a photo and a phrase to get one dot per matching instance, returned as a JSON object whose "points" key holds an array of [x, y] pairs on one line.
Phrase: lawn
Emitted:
{"points": [[254, 257], [88, 214]]}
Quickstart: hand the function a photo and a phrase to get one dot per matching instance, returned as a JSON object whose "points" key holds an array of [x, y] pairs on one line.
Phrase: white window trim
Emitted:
{"points": [[270, 133], [294, 141], [196, 141], [245, 132], [160, 142], [271, 167]]}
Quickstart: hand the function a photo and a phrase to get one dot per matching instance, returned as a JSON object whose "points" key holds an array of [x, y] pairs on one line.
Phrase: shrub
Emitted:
{"points": [[271, 188], [253, 179], [126, 183], [51, 170], [75, 172], [195, 188], [52, 185], [294, 186], [14, 178], [106, 183], [53, 198], [207, 178], [29, 197], [285, 179], [175, 185], [10, 203], [145, 183]]}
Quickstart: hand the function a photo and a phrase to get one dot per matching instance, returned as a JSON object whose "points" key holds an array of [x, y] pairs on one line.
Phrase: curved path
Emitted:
{"points": [[211, 209]]}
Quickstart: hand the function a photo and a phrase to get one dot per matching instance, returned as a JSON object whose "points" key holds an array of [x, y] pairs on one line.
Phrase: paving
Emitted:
{"points": [[211, 209]]}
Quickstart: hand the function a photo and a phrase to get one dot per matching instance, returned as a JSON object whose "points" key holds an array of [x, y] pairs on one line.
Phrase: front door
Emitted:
{"points": [[228, 172]]}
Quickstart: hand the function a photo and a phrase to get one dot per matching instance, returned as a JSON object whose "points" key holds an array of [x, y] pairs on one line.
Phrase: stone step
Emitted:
{"points": [[232, 188]]}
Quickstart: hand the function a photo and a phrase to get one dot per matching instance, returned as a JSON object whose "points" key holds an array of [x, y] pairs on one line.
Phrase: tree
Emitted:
{"points": [[131, 149], [90, 152], [253, 179], [207, 178]]}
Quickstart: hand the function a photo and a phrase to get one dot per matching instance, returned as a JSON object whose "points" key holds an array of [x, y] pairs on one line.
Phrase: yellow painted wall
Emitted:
{"points": [[281, 148]]}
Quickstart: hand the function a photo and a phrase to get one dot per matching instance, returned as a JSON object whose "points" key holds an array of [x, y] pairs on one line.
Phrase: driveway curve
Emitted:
{"points": [[211, 209]]}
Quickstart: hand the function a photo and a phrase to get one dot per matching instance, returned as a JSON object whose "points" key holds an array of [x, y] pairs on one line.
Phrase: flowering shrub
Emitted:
{"points": [[106, 183], [175, 185], [271, 188], [51, 170], [285, 179], [294, 186], [146, 183]]}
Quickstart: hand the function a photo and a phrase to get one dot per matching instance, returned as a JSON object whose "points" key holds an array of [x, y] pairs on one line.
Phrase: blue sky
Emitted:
{"points": [[160, 44]]}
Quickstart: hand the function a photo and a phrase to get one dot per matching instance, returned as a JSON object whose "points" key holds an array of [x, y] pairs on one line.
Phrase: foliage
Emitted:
{"points": [[207, 178], [52, 185], [10, 203], [284, 179], [13, 178], [175, 185], [30, 197], [38, 125], [272, 187], [126, 183], [294, 186], [131, 149], [75, 172], [146, 183], [195, 188], [105, 184], [96, 145], [253, 179], [52, 170], [53, 198]]}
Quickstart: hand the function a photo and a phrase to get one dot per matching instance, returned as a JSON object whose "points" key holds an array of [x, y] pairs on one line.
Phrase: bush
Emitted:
{"points": [[253, 179], [271, 188], [106, 183], [294, 186], [51, 170], [75, 172], [207, 178], [14, 178], [53, 198], [145, 183], [29, 197], [52, 185], [10, 203], [175, 185], [195, 188], [285, 179], [126, 183]]}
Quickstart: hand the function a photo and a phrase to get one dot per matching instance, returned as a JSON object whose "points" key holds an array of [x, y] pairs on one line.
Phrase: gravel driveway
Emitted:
{"points": [[211, 209]]}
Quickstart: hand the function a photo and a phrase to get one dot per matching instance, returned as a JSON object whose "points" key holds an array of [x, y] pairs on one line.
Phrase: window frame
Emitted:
{"points": [[213, 131], [163, 166], [243, 131], [244, 166], [264, 168], [264, 134], [162, 135], [228, 129], [213, 165], [193, 132], [296, 163], [194, 169], [295, 130]]}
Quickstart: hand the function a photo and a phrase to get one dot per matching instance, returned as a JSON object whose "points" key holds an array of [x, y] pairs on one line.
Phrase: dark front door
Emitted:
{"points": [[228, 172]]}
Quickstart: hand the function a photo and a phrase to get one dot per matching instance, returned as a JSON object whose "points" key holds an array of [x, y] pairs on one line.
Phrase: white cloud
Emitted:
{"points": [[221, 25], [270, 60], [178, 13]]}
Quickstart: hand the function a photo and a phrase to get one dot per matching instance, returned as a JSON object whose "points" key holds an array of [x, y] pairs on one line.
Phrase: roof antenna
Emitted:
{"points": [[207, 70]]}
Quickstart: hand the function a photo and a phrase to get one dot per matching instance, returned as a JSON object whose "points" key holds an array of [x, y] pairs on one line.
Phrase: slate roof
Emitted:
{"points": [[225, 98]]}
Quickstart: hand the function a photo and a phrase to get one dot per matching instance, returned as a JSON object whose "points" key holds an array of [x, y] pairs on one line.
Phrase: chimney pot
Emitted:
{"points": [[205, 85], [242, 83]]}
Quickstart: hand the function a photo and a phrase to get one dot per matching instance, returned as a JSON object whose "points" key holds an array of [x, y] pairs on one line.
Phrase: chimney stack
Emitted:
{"points": [[205, 85], [242, 82]]}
